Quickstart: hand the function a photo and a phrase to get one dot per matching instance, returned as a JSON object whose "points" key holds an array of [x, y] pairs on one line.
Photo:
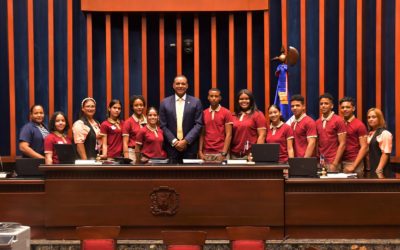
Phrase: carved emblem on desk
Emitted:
{"points": [[164, 201]]}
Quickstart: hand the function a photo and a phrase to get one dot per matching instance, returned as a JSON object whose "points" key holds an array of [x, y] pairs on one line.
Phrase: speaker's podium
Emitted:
{"points": [[145, 200], [14, 236]]}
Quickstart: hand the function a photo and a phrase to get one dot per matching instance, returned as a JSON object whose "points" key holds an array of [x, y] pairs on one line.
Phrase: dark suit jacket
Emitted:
{"points": [[192, 122]]}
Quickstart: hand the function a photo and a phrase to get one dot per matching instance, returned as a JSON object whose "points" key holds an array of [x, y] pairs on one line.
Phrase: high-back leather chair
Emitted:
{"points": [[98, 237], [184, 240], [247, 238]]}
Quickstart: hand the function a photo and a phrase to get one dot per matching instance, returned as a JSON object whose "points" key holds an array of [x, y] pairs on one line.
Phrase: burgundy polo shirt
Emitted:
{"points": [[114, 138], [131, 128], [302, 129], [152, 142], [328, 142], [355, 129], [214, 128], [281, 134], [49, 142], [244, 132]]}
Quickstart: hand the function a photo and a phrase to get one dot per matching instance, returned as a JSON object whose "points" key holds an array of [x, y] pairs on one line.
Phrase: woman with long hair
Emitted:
{"points": [[379, 141], [249, 125], [111, 131], [281, 133], [87, 131], [58, 127]]}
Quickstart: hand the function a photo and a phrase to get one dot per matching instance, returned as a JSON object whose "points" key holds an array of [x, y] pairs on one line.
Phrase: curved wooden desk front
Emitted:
{"points": [[22, 201], [144, 200], [342, 208]]}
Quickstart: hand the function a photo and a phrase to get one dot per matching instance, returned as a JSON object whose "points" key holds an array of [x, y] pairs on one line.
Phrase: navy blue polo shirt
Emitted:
{"points": [[31, 134]]}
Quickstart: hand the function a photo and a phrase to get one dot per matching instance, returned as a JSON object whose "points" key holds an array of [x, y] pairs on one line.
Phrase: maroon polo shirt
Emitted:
{"points": [[49, 142], [282, 134], [303, 129], [152, 142], [355, 129], [114, 138], [328, 142], [131, 128], [245, 130], [214, 128]]}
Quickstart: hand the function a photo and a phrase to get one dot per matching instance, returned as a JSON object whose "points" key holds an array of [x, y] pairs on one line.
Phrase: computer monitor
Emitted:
{"points": [[66, 153], [267, 152], [303, 167], [28, 167]]}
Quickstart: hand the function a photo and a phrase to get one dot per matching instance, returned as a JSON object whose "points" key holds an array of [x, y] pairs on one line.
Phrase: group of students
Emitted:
{"points": [[110, 139], [184, 130], [343, 142]]}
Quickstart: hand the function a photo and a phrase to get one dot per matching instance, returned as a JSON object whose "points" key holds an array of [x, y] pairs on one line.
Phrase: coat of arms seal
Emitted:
{"points": [[164, 201]]}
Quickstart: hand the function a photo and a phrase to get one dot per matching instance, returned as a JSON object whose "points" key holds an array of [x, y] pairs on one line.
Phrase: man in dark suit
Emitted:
{"points": [[181, 119]]}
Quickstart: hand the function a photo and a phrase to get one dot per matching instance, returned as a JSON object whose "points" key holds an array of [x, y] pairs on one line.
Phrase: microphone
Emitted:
{"points": [[3, 174]]}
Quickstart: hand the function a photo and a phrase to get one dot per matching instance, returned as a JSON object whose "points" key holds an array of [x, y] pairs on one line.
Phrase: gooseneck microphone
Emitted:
{"points": [[3, 174]]}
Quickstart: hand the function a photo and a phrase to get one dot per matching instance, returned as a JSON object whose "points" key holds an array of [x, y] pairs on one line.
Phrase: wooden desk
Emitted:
{"points": [[342, 208], [23, 201], [145, 200]]}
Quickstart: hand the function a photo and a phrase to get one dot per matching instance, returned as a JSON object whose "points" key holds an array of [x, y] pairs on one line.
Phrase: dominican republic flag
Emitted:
{"points": [[282, 95]]}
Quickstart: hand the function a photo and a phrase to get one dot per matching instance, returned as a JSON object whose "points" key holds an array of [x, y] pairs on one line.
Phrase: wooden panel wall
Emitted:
{"points": [[153, 53]]}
